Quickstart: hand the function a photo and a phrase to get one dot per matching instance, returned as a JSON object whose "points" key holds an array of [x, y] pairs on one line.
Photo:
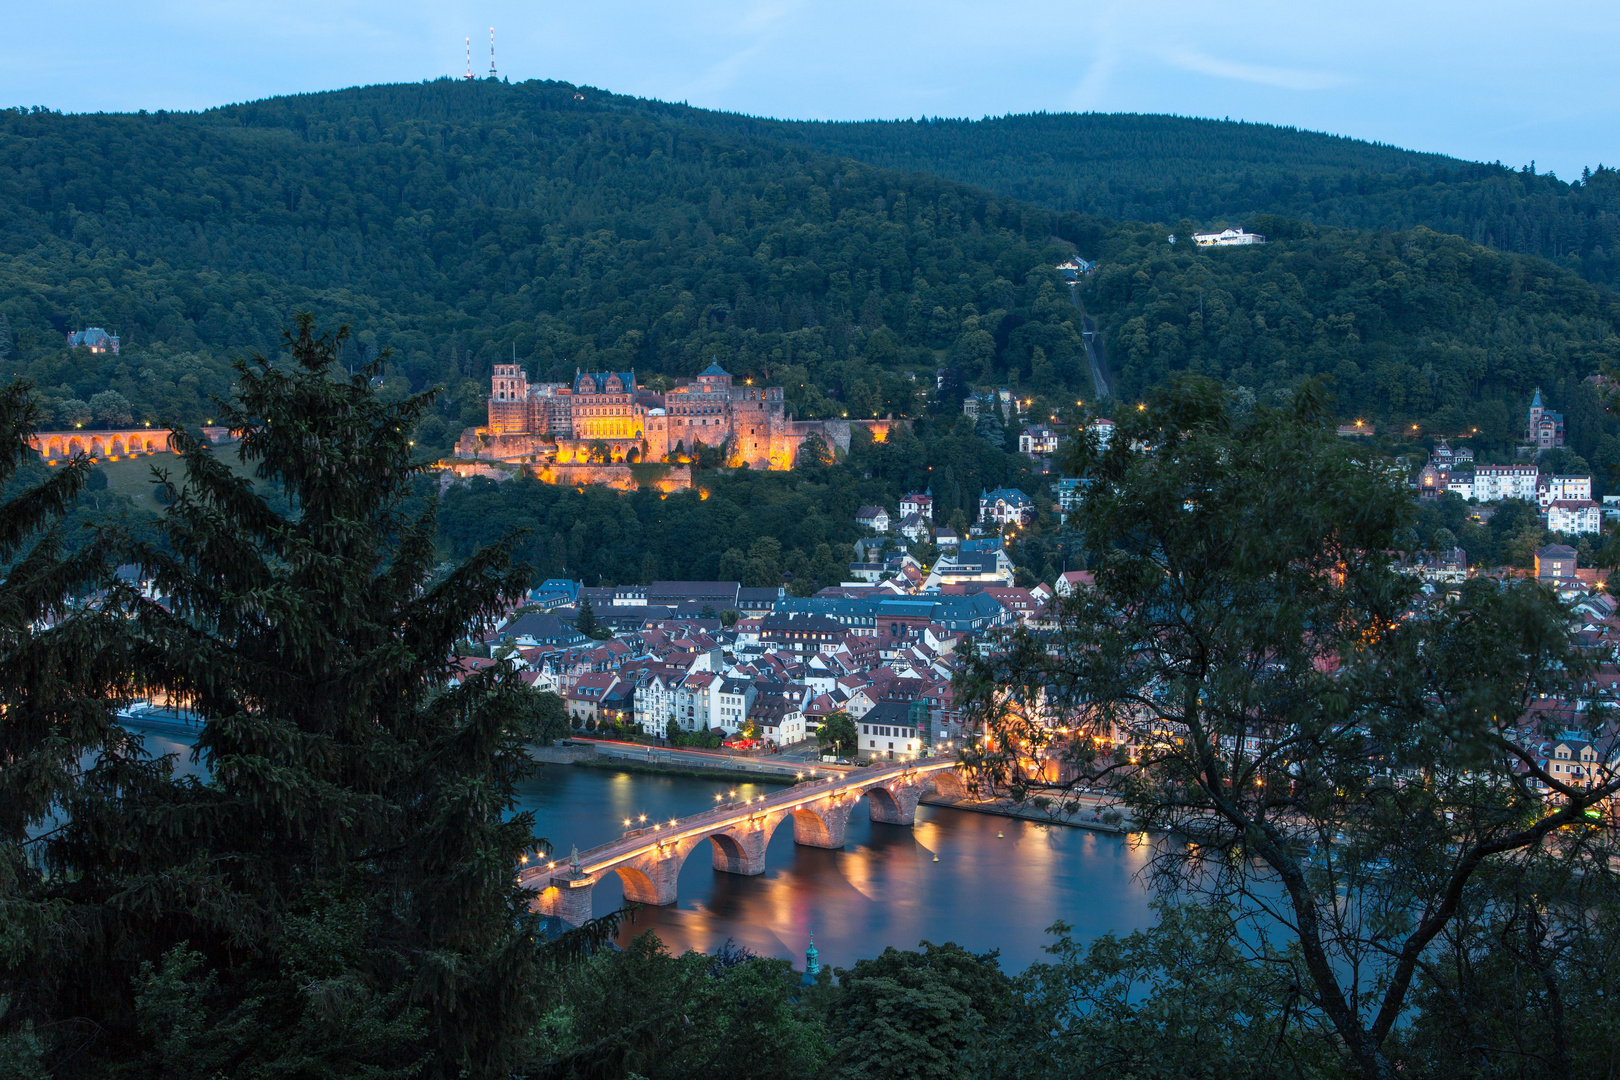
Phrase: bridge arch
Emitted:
{"points": [[76, 446], [54, 449], [948, 784], [813, 829], [881, 803], [639, 887]]}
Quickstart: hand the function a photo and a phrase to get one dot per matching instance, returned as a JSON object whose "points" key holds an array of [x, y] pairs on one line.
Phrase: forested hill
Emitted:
{"points": [[1210, 172], [463, 223]]}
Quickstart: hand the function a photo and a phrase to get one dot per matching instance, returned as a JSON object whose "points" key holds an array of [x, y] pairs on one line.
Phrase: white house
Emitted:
{"points": [[731, 702], [1006, 506], [1574, 517], [1037, 439], [1227, 238], [914, 527], [695, 703], [918, 504], [887, 731], [1103, 428], [873, 517], [780, 721], [1560, 488], [655, 702], [1071, 581], [1493, 483]]}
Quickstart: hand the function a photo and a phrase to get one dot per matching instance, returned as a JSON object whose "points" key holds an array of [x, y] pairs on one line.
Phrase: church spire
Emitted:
{"points": [[812, 962]]}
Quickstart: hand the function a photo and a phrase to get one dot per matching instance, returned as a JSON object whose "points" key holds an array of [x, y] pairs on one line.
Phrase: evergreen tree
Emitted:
{"points": [[339, 897], [62, 666], [585, 623]]}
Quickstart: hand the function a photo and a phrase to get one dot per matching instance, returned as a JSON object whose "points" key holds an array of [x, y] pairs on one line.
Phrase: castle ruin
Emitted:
{"points": [[606, 418]]}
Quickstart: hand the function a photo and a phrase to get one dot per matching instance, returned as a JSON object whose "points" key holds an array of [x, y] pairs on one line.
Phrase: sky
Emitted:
{"points": [[1482, 80]]}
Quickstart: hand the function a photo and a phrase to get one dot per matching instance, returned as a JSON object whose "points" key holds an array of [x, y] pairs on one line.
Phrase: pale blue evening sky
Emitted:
{"points": [[1486, 79]]}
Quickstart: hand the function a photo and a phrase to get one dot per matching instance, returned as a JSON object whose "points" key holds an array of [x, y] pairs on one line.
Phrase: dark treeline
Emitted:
{"points": [[1165, 168]]}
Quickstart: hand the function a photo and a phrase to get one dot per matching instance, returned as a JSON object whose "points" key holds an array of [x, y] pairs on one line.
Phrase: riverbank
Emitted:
{"points": [[1024, 811]]}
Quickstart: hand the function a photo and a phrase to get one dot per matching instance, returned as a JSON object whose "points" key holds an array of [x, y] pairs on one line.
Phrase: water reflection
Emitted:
{"points": [[883, 888]]}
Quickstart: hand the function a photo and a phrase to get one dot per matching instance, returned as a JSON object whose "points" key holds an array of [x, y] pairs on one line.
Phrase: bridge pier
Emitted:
{"points": [[567, 899], [896, 806], [823, 827], [740, 850]]}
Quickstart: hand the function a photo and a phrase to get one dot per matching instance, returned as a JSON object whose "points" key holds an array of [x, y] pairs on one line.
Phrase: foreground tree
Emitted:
{"points": [[338, 897], [63, 668], [1346, 755]]}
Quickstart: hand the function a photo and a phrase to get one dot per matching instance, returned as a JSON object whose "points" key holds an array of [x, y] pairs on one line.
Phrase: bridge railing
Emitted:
{"points": [[633, 841]]}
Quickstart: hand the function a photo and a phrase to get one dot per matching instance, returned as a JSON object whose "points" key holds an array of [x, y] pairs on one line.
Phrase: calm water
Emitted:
{"points": [[883, 888]]}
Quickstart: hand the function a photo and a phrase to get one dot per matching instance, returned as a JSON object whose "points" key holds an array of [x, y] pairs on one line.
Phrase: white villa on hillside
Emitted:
{"points": [[1227, 238]]}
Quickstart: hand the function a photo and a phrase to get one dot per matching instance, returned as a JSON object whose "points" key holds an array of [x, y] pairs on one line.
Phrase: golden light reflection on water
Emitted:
{"points": [[884, 888]]}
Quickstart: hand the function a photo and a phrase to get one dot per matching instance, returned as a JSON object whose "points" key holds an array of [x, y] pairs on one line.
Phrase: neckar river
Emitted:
{"points": [[883, 888]]}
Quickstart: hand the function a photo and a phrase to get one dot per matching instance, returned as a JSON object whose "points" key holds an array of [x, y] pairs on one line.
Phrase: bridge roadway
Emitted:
{"points": [[649, 860]]}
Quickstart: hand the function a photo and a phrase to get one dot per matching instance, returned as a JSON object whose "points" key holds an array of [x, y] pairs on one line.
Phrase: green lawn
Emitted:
{"points": [[132, 476]]}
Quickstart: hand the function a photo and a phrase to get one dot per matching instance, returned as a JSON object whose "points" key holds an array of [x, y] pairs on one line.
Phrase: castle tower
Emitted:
{"points": [[509, 400]]}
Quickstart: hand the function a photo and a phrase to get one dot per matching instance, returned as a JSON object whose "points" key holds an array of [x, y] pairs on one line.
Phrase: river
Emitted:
{"points": [[987, 891]]}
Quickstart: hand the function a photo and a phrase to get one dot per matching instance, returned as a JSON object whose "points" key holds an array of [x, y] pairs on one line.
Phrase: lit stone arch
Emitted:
{"points": [[76, 446], [54, 449], [882, 804], [98, 447], [948, 784], [639, 888]]}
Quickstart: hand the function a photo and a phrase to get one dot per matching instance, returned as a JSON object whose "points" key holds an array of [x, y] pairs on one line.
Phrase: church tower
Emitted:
{"points": [[812, 963]]}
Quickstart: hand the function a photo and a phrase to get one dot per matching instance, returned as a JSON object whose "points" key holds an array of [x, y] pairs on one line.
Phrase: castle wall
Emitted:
{"points": [[55, 446], [619, 477], [619, 451]]}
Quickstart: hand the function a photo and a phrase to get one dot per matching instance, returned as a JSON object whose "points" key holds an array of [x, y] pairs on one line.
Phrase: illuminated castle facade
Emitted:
{"points": [[638, 424]]}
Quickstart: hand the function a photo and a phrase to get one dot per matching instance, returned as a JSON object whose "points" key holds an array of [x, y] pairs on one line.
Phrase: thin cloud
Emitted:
{"points": [[1285, 78], [1107, 48]]}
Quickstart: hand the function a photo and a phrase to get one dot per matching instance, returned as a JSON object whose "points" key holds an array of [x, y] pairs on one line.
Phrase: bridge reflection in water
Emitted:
{"points": [[648, 861]]}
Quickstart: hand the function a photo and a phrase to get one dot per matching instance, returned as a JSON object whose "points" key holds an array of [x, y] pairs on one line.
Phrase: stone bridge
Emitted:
{"points": [[649, 860]]}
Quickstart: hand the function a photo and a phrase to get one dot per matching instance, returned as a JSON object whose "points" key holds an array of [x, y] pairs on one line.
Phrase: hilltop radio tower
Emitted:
{"points": [[469, 60], [492, 52]]}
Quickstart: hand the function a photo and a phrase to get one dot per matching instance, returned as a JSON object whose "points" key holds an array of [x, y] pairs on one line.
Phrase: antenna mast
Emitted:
{"points": [[469, 60], [492, 52]]}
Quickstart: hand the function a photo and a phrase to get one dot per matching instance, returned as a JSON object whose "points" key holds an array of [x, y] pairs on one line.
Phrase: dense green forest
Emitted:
{"points": [[1165, 168], [461, 223], [1414, 328], [753, 527]]}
